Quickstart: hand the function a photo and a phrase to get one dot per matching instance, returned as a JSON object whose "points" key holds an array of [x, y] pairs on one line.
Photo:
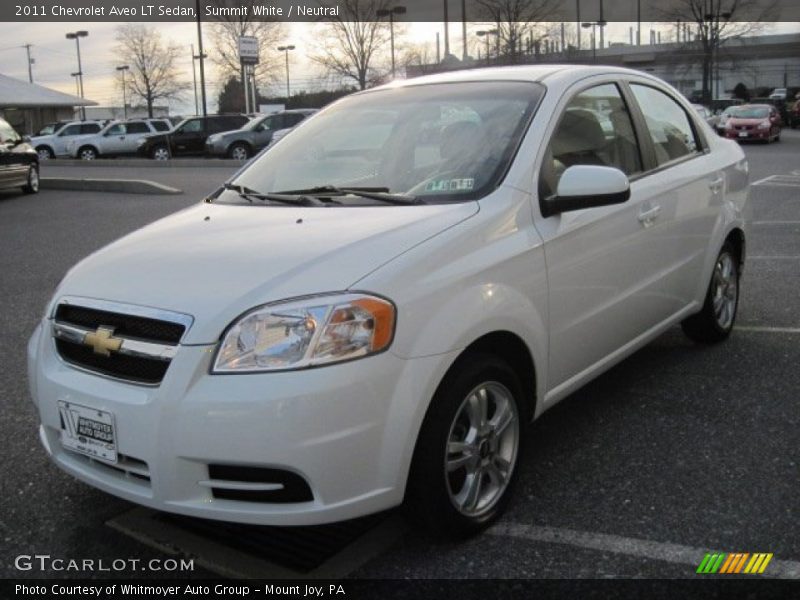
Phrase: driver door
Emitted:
{"points": [[600, 263]]}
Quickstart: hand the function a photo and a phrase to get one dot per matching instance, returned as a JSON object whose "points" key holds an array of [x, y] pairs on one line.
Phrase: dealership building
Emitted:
{"points": [[28, 106]]}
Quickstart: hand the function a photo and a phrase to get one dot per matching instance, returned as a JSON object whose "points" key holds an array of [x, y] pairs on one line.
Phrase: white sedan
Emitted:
{"points": [[372, 312]]}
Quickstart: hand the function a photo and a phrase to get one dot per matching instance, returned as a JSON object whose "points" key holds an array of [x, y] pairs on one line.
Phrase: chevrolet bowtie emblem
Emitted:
{"points": [[102, 342]]}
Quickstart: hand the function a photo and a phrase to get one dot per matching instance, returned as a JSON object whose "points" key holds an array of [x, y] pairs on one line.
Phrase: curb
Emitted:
{"points": [[120, 186], [145, 162]]}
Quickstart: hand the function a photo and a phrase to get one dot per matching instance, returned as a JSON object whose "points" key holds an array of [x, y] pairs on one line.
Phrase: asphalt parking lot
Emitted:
{"points": [[678, 451]]}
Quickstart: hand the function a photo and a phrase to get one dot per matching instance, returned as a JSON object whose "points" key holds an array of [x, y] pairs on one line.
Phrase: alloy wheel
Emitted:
{"points": [[726, 290], [482, 449]]}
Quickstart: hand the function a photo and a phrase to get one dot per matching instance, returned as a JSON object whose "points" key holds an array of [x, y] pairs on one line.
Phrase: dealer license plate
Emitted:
{"points": [[88, 431]]}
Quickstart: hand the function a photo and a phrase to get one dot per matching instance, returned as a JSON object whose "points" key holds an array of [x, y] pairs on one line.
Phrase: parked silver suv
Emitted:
{"points": [[115, 139], [243, 143], [55, 144]]}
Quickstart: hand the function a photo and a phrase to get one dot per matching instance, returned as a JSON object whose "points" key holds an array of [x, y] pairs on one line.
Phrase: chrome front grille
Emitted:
{"points": [[132, 343]]}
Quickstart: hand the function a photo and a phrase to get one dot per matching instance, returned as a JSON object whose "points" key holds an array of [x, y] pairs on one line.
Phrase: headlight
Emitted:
{"points": [[307, 332], [764, 125]]}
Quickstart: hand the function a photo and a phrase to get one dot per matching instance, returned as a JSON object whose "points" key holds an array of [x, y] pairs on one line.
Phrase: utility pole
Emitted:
{"points": [[578, 21], [194, 80], [30, 69], [202, 56], [122, 70], [464, 54], [446, 31]]}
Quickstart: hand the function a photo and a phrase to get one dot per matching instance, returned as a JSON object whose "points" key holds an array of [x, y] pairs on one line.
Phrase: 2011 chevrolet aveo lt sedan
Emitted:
{"points": [[372, 311]]}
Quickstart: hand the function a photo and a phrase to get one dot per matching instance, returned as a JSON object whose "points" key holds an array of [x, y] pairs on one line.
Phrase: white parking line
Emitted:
{"points": [[759, 329], [779, 180], [647, 549], [775, 223], [774, 257]]}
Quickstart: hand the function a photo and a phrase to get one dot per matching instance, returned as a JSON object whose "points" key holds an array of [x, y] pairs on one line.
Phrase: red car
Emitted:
{"points": [[754, 122]]}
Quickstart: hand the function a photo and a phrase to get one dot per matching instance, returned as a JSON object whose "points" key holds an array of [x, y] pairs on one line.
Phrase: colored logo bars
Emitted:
{"points": [[734, 562]]}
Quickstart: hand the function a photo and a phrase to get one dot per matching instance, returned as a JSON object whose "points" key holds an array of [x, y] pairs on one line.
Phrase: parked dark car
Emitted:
{"points": [[19, 164], [189, 137], [243, 143]]}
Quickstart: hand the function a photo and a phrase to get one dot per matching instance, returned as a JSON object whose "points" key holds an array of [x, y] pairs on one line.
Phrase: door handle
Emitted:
{"points": [[716, 185], [647, 217]]}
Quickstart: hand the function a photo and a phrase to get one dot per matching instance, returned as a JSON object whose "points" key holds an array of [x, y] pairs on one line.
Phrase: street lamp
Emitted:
{"points": [[122, 70], [587, 25], [486, 33], [77, 86], [285, 50], [391, 12], [77, 35]]}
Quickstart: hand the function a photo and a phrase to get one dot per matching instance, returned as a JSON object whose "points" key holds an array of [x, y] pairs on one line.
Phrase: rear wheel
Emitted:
{"points": [[87, 153], [465, 459], [715, 321], [160, 152], [32, 187]]}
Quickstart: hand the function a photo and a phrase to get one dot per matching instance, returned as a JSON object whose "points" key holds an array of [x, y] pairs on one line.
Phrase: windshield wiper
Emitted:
{"points": [[373, 193], [298, 199]]}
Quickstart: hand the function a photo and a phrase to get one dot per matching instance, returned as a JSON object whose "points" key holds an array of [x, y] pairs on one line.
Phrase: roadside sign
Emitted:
{"points": [[248, 50]]}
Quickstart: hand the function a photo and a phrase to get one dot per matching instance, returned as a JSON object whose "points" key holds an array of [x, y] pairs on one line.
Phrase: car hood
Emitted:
{"points": [[740, 121], [215, 262]]}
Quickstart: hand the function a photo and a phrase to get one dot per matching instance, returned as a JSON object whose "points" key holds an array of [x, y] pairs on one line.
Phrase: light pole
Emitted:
{"points": [[485, 34], [587, 25], [122, 70], [201, 56], [77, 86], [285, 50], [77, 35], [194, 80], [391, 12], [30, 61]]}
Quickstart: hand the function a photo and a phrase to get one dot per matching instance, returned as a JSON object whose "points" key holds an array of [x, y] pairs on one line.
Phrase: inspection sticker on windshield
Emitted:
{"points": [[450, 185], [88, 431]]}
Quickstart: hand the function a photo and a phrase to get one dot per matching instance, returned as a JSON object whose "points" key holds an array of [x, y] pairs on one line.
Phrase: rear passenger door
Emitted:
{"points": [[687, 190], [189, 137], [602, 268], [135, 130]]}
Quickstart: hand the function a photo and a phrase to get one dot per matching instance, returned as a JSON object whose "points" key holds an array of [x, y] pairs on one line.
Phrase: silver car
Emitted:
{"points": [[55, 142], [243, 143], [115, 139]]}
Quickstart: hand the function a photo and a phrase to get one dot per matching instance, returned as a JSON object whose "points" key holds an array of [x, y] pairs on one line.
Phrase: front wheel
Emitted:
{"points": [[32, 187], [239, 152], [466, 455], [714, 322]]}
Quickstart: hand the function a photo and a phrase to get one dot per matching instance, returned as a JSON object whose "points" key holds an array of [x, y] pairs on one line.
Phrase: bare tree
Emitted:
{"points": [[154, 74], [225, 34], [516, 21], [715, 24], [351, 44]]}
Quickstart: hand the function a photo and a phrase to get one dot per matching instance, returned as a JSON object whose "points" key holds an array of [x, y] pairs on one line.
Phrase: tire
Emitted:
{"points": [[462, 472], [32, 187], [87, 153], [45, 153], [160, 152], [239, 151], [715, 321]]}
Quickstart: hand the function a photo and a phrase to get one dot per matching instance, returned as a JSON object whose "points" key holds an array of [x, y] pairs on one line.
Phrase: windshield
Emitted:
{"points": [[750, 113], [449, 141], [48, 129]]}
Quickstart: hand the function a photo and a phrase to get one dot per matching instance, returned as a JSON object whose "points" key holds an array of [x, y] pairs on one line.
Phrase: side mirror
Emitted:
{"points": [[588, 186]]}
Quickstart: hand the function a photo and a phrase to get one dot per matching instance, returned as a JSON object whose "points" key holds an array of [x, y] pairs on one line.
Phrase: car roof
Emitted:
{"points": [[556, 74]]}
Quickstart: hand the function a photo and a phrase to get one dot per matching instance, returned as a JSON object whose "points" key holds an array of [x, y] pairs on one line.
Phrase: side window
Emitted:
{"points": [[669, 126], [118, 129], [138, 127], [293, 119], [193, 126], [160, 125], [595, 129], [270, 124], [70, 130], [90, 128]]}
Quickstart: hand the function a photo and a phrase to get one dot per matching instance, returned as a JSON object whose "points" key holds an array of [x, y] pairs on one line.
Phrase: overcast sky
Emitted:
{"points": [[56, 58]]}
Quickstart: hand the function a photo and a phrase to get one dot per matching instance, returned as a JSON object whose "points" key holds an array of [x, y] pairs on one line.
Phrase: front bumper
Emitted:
{"points": [[348, 430], [215, 149], [752, 134]]}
